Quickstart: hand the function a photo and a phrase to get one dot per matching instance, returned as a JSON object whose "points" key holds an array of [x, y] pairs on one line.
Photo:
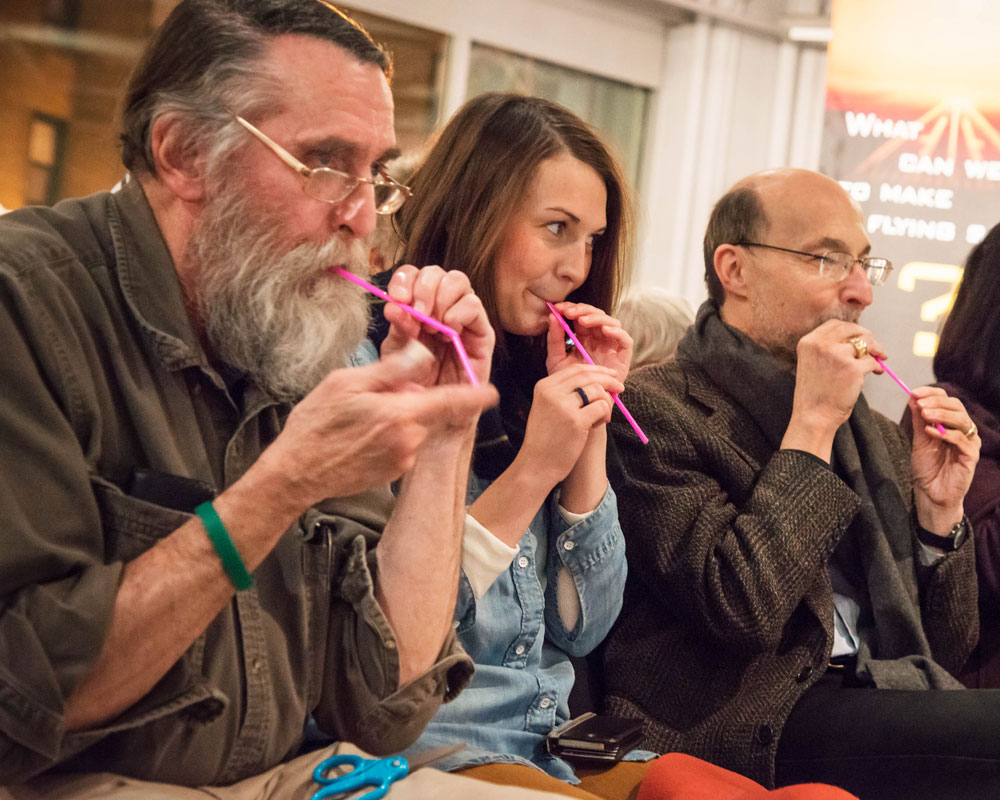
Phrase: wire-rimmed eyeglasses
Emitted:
{"points": [[837, 266], [332, 185]]}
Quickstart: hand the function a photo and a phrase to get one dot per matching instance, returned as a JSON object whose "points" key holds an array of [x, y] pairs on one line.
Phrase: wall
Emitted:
{"points": [[732, 100]]}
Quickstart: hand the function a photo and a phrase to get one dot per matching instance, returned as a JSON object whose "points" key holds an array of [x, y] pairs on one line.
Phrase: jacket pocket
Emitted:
{"points": [[132, 526]]}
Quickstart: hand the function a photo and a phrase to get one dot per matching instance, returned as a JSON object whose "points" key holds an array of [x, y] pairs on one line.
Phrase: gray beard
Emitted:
{"points": [[268, 310]]}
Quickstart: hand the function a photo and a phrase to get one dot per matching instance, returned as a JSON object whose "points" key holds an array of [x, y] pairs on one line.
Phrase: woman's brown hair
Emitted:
{"points": [[469, 187], [970, 338]]}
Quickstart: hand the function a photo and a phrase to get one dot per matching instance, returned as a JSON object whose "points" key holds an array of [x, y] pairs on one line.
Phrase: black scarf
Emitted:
{"points": [[876, 552]]}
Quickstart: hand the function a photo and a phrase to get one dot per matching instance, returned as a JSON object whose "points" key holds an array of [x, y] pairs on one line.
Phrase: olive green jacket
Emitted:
{"points": [[101, 374]]}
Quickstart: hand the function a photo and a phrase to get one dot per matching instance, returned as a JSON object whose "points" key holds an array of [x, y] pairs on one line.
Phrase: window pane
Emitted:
{"points": [[76, 78], [618, 110], [42, 142]]}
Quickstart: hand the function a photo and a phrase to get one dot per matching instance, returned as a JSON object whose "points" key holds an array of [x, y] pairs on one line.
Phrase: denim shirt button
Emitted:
{"points": [[545, 702], [569, 545], [519, 649], [522, 562], [455, 623]]}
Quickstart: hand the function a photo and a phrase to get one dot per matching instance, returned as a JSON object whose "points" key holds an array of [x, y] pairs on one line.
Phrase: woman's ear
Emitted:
{"points": [[177, 160], [729, 265]]}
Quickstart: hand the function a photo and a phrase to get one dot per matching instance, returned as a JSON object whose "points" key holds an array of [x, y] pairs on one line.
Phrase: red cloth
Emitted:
{"points": [[677, 776]]}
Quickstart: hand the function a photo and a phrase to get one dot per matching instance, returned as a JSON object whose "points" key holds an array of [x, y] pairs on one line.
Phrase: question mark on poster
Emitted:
{"points": [[925, 342]]}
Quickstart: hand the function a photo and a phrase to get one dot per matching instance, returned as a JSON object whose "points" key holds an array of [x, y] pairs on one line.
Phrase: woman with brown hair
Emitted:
{"points": [[523, 197]]}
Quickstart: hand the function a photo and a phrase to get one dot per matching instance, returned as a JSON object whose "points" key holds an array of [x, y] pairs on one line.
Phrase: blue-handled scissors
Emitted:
{"points": [[377, 773]]}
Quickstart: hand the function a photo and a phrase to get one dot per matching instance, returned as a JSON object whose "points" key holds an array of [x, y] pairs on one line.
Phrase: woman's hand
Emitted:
{"points": [[602, 336], [560, 424]]}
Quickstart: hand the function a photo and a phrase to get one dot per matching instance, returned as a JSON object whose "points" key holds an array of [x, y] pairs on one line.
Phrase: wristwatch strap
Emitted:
{"points": [[950, 542]]}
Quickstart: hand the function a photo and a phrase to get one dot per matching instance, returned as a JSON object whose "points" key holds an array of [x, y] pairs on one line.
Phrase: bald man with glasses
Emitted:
{"points": [[801, 580]]}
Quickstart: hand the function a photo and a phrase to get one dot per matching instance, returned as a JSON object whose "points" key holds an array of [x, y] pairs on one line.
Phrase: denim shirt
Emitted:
{"points": [[521, 648]]}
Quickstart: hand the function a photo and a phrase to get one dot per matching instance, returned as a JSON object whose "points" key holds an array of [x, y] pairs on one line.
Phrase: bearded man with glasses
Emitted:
{"points": [[200, 551], [801, 578]]}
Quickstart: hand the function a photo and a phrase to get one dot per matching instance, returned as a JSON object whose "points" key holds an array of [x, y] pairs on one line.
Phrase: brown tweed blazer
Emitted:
{"points": [[728, 614]]}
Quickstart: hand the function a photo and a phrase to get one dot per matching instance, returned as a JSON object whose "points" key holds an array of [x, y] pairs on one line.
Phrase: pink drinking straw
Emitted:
{"points": [[451, 333], [903, 386], [589, 360]]}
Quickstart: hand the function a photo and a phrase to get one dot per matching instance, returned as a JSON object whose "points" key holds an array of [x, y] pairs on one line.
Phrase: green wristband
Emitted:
{"points": [[228, 554]]}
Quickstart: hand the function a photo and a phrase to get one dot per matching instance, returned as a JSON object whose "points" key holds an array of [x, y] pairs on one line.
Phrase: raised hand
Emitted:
{"points": [[364, 426], [828, 378], [943, 465], [447, 297], [602, 335], [560, 424]]}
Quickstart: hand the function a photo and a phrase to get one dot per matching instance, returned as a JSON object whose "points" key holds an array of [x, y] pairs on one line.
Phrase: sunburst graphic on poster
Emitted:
{"points": [[912, 131], [929, 145]]}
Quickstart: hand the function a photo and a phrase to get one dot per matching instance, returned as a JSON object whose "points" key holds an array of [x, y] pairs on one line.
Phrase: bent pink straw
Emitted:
{"points": [[589, 360], [904, 387], [450, 332]]}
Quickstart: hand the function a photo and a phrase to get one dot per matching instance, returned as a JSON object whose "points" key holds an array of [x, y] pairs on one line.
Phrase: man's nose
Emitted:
{"points": [[355, 214], [856, 286]]}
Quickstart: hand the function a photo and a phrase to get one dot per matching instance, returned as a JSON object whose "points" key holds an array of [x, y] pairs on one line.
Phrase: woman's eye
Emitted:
{"points": [[556, 228]]}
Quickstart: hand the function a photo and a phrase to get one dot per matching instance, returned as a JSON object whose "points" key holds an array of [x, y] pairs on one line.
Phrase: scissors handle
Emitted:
{"points": [[377, 773]]}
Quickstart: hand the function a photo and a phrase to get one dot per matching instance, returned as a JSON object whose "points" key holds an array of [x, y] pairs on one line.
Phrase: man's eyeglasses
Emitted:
{"points": [[332, 185], [838, 266]]}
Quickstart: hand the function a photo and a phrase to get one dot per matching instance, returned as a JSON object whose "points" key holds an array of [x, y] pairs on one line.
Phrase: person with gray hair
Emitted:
{"points": [[200, 548], [656, 321]]}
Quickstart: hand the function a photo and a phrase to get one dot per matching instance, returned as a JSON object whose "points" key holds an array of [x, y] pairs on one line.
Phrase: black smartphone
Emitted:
{"points": [[595, 737]]}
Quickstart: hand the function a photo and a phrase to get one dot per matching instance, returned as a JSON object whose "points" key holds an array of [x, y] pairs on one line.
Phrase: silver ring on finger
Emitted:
{"points": [[583, 396]]}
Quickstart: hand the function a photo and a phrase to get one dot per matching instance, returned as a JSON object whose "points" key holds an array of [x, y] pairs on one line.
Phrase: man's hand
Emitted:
{"points": [[943, 465], [828, 380], [363, 426], [448, 298]]}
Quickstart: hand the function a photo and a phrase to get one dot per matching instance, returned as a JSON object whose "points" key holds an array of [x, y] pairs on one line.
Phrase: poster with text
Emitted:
{"points": [[912, 131]]}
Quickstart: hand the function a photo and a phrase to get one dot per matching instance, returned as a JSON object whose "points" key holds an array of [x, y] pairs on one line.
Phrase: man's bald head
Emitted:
{"points": [[764, 251], [745, 213]]}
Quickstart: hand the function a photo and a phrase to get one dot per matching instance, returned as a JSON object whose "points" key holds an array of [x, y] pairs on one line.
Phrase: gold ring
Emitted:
{"points": [[972, 430], [860, 346]]}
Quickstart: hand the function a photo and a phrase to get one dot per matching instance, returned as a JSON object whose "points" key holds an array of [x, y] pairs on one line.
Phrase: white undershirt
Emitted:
{"points": [[484, 557]]}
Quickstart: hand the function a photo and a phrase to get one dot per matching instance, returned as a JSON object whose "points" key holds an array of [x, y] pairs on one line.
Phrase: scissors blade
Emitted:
{"points": [[430, 756]]}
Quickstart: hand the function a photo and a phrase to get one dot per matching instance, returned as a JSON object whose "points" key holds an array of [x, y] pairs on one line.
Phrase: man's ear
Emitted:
{"points": [[729, 265], [178, 166]]}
